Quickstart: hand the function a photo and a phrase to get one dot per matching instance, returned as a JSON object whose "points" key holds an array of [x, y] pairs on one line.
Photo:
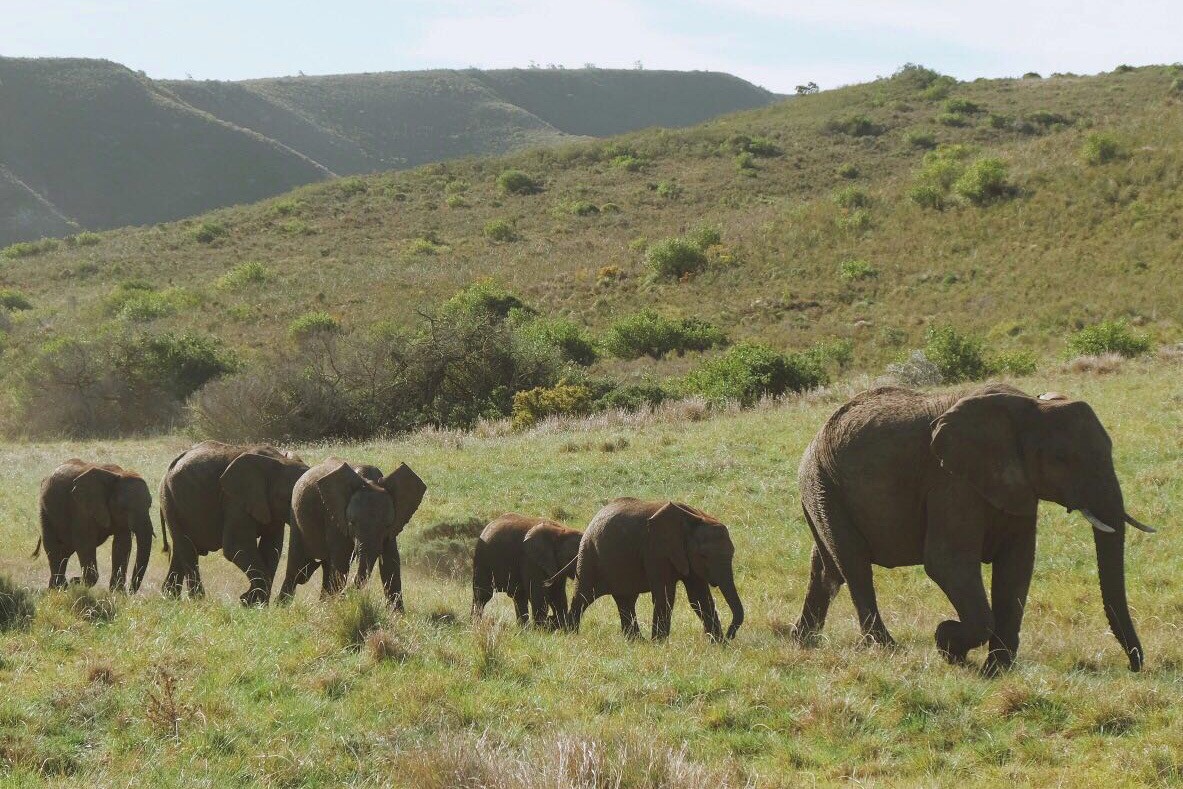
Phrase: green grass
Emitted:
{"points": [[164, 691]]}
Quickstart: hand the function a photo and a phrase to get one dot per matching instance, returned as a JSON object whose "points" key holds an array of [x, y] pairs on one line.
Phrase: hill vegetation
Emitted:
{"points": [[987, 222], [91, 144]]}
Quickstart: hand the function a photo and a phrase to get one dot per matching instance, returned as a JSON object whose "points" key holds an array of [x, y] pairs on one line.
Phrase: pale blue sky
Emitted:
{"points": [[778, 44]]}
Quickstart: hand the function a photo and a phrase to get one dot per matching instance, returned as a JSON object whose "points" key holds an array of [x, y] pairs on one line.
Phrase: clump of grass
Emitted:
{"points": [[312, 323], [386, 645], [856, 270], [84, 239], [425, 246], [675, 258], [851, 197], [209, 231], [102, 673], [28, 249], [922, 140], [848, 170], [16, 606], [92, 606], [358, 615], [245, 275], [1108, 337], [488, 640], [583, 208], [500, 230]]}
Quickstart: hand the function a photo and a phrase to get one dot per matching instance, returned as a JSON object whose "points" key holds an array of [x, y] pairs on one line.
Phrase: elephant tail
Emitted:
{"points": [[164, 533], [37, 550]]}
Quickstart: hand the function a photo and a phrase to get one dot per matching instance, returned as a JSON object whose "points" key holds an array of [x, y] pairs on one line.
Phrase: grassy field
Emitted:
{"points": [[209, 694]]}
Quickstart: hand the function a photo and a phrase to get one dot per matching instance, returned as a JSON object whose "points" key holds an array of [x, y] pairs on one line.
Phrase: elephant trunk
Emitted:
{"points": [[143, 533], [1111, 569], [367, 558], [731, 595]]}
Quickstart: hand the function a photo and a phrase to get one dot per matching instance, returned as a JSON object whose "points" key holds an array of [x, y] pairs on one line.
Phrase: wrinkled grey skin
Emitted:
{"points": [[530, 559], [952, 481], [341, 511], [231, 498], [634, 547], [82, 504]]}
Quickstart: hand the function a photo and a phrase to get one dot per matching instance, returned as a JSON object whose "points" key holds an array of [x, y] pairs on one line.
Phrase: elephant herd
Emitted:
{"points": [[894, 478]]}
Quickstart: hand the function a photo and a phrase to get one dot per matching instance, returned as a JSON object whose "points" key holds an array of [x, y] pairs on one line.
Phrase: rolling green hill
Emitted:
{"points": [[103, 146]]}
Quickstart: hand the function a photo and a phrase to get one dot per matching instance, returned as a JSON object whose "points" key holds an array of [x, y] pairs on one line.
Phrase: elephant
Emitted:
{"points": [[951, 481], [82, 504], [530, 559], [633, 546], [340, 510], [232, 498]]}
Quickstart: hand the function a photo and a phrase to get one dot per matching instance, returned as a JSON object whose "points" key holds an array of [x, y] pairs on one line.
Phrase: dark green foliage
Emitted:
{"points": [[756, 146], [14, 300], [16, 605], [675, 258], [1047, 119], [959, 357], [1108, 337], [951, 119], [632, 397], [923, 140], [571, 340], [751, 371], [649, 334], [178, 363], [516, 182], [584, 208], [855, 126], [963, 107], [485, 299], [1032, 75], [914, 76]]}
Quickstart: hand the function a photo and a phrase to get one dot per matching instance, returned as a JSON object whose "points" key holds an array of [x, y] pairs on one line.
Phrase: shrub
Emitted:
{"points": [[533, 405], [178, 363], [916, 370], [1015, 363], [351, 186], [1047, 119], [313, 323], [958, 357], [951, 119], [675, 258], [648, 334], [854, 126], [1032, 75], [669, 190], [928, 196], [572, 341], [922, 140], [16, 606], [90, 605], [500, 230], [85, 239], [750, 371], [1177, 85], [632, 397], [962, 107], [628, 163], [485, 300], [245, 275], [208, 231], [455, 201], [359, 614], [756, 146], [848, 170], [856, 270], [984, 182], [939, 89], [14, 300], [1101, 148], [138, 301], [583, 208], [516, 182], [998, 121], [28, 249], [1108, 337], [705, 236], [915, 76], [745, 163], [851, 197], [856, 221]]}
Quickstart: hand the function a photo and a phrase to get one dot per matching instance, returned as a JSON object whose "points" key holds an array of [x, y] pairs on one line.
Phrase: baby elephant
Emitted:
{"points": [[632, 547], [339, 510], [530, 559], [82, 504]]}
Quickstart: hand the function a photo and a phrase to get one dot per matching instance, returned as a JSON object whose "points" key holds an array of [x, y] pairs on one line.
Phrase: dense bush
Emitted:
{"points": [[756, 146], [14, 300], [963, 107], [27, 249], [84, 239], [914, 76], [16, 605], [1014, 363], [958, 357], [1101, 148], [312, 323], [750, 371], [851, 197], [245, 275], [139, 301], [675, 258], [571, 340], [516, 182], [1108, 337], [500, 230], [951, 119], [945, 172], [922, 140], [649, 334], [208, 231], [855, 126], [984, 181], [632, 397], [533, 405]]}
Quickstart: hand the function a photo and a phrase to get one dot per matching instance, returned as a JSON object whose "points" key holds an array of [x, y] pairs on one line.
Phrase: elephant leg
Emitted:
{"points": [[521, 604], [390, 567], [90, 565], [270, 547], [702, 602], [120, 553], [539, 603], [482, 586], [243, 549], [663, 609], [1008, 596], [626, 606], [300, 567], [336, 566], [193, 580], [557, 600], [824, 582], [57, 569], [962, 584]]}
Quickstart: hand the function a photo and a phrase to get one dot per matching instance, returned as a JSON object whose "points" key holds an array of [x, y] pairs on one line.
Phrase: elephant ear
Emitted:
{"points": [[978, 440], [540, 551], [407, 490], [245, 483], [666, 537], [336, 488], [90, 497]]}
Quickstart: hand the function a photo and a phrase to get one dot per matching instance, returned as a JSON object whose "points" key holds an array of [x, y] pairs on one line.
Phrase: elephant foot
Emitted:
{"points": [[254, 598], [947, 638], [999, 661]]}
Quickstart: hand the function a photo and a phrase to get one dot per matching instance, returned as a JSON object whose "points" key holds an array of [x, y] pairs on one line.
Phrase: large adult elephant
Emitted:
{"points": [[82, 504], [341, 510], [530, 559], [632, 547], [231, 498], [952, 481]]}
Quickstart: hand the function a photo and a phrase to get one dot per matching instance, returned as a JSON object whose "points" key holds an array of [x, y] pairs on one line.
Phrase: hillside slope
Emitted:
{"points": [[1067, 244], [103, 146]]}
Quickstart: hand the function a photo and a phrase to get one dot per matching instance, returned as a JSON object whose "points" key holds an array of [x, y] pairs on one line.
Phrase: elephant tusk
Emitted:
{"points": [[1137, 524], [1097, 523]]}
